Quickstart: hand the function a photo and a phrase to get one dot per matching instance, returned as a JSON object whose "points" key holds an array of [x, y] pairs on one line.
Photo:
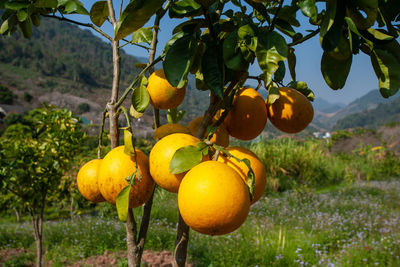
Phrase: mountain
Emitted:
{"points": [[383, 113], [67, 66], [369, 101], [323, 105]]}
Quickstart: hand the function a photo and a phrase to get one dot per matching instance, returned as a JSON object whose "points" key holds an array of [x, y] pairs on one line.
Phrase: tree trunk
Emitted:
{"points": [[131, 230], [182, 240]]}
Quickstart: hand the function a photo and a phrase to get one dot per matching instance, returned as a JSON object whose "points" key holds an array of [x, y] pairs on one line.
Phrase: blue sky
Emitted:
{"points": [[360, 81]]}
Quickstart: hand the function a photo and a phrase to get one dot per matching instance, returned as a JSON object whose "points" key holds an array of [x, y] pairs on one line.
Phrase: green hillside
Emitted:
{"points": [[64, 50], [384, 113]]}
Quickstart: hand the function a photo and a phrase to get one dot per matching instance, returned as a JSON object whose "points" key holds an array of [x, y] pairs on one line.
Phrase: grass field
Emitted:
{"points": [[356, 225], [320, 209]]}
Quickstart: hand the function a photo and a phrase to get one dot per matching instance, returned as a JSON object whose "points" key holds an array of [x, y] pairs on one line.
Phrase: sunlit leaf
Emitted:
{"points": [[140, 96], [271, 49], [135, 15], [386, 63], [122, 203], [184, 159]]}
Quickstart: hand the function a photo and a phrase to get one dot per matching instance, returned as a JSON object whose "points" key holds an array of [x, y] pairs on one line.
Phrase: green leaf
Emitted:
{"points": [[250, 180], [174, 115], [335, 71], [203, 148], [329, 17], [271, 48], [16, 5], [122, 203], [352, 26], [302, 87], [292, 63], [308, 8], [46, 4], [232, 55], [73, 7], [129, 142], [4, 27], [173, 40], [22, 15], [184, 159], [331, 39], [280, 72], [285, 27], [199, 23], [135, 15], [273, 94], [133, 113], [386, 63], [26, 28], [212, 67], [143, 35], [35, 17], [179, 58], [140, 96], [99, 13], [185, 8], [380, 35], [288, 13]]}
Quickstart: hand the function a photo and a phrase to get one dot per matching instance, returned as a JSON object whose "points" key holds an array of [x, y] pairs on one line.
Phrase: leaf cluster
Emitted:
{"points": [[35, 155]]}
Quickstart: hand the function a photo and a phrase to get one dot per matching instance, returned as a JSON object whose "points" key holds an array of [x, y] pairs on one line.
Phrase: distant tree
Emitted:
{"points": [[83, 108], [6, 96], [34, 158], [27, 97]]}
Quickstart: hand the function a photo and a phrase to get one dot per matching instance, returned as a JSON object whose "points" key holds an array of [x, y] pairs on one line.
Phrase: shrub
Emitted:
{"points": [[83, 108], [27, 97], [6, 96]]}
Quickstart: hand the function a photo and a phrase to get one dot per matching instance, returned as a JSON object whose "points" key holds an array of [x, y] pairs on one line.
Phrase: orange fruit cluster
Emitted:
{"points": [[213, 197], [102, 180]]}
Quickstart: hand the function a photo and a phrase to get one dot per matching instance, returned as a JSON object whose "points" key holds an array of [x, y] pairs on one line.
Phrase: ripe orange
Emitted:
{"points": [[170, 128], [162, 94], [291, 112], [160, 158], [213, 199], [260, 180], [116, 166], [87, 181], [248, 116], [220, 137]]}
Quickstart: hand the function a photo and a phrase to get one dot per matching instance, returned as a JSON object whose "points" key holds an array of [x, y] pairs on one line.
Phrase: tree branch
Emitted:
{"points": [[305, 38], [103, 118], [89, 25], [271, 27], [130, 87]]}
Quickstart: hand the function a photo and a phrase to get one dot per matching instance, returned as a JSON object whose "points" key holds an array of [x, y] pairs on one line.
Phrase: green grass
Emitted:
{"points": [[320, 209], [356, 225], [291, 164]]}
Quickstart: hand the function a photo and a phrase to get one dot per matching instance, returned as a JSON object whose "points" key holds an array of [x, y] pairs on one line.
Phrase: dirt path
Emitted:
{"points": [[107, 259]]}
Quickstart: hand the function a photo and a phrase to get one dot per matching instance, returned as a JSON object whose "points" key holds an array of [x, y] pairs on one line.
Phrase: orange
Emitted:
{"points": [[160, 158], [116, 167], [260, 180], [168, 129], [87, 181], [220, 137], [248, 116], [162, 94], [291, 112], [213, 199]]}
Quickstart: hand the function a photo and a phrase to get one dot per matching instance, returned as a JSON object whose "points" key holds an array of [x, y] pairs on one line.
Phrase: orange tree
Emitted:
{"points": [[34, 157], [217, 41]]}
